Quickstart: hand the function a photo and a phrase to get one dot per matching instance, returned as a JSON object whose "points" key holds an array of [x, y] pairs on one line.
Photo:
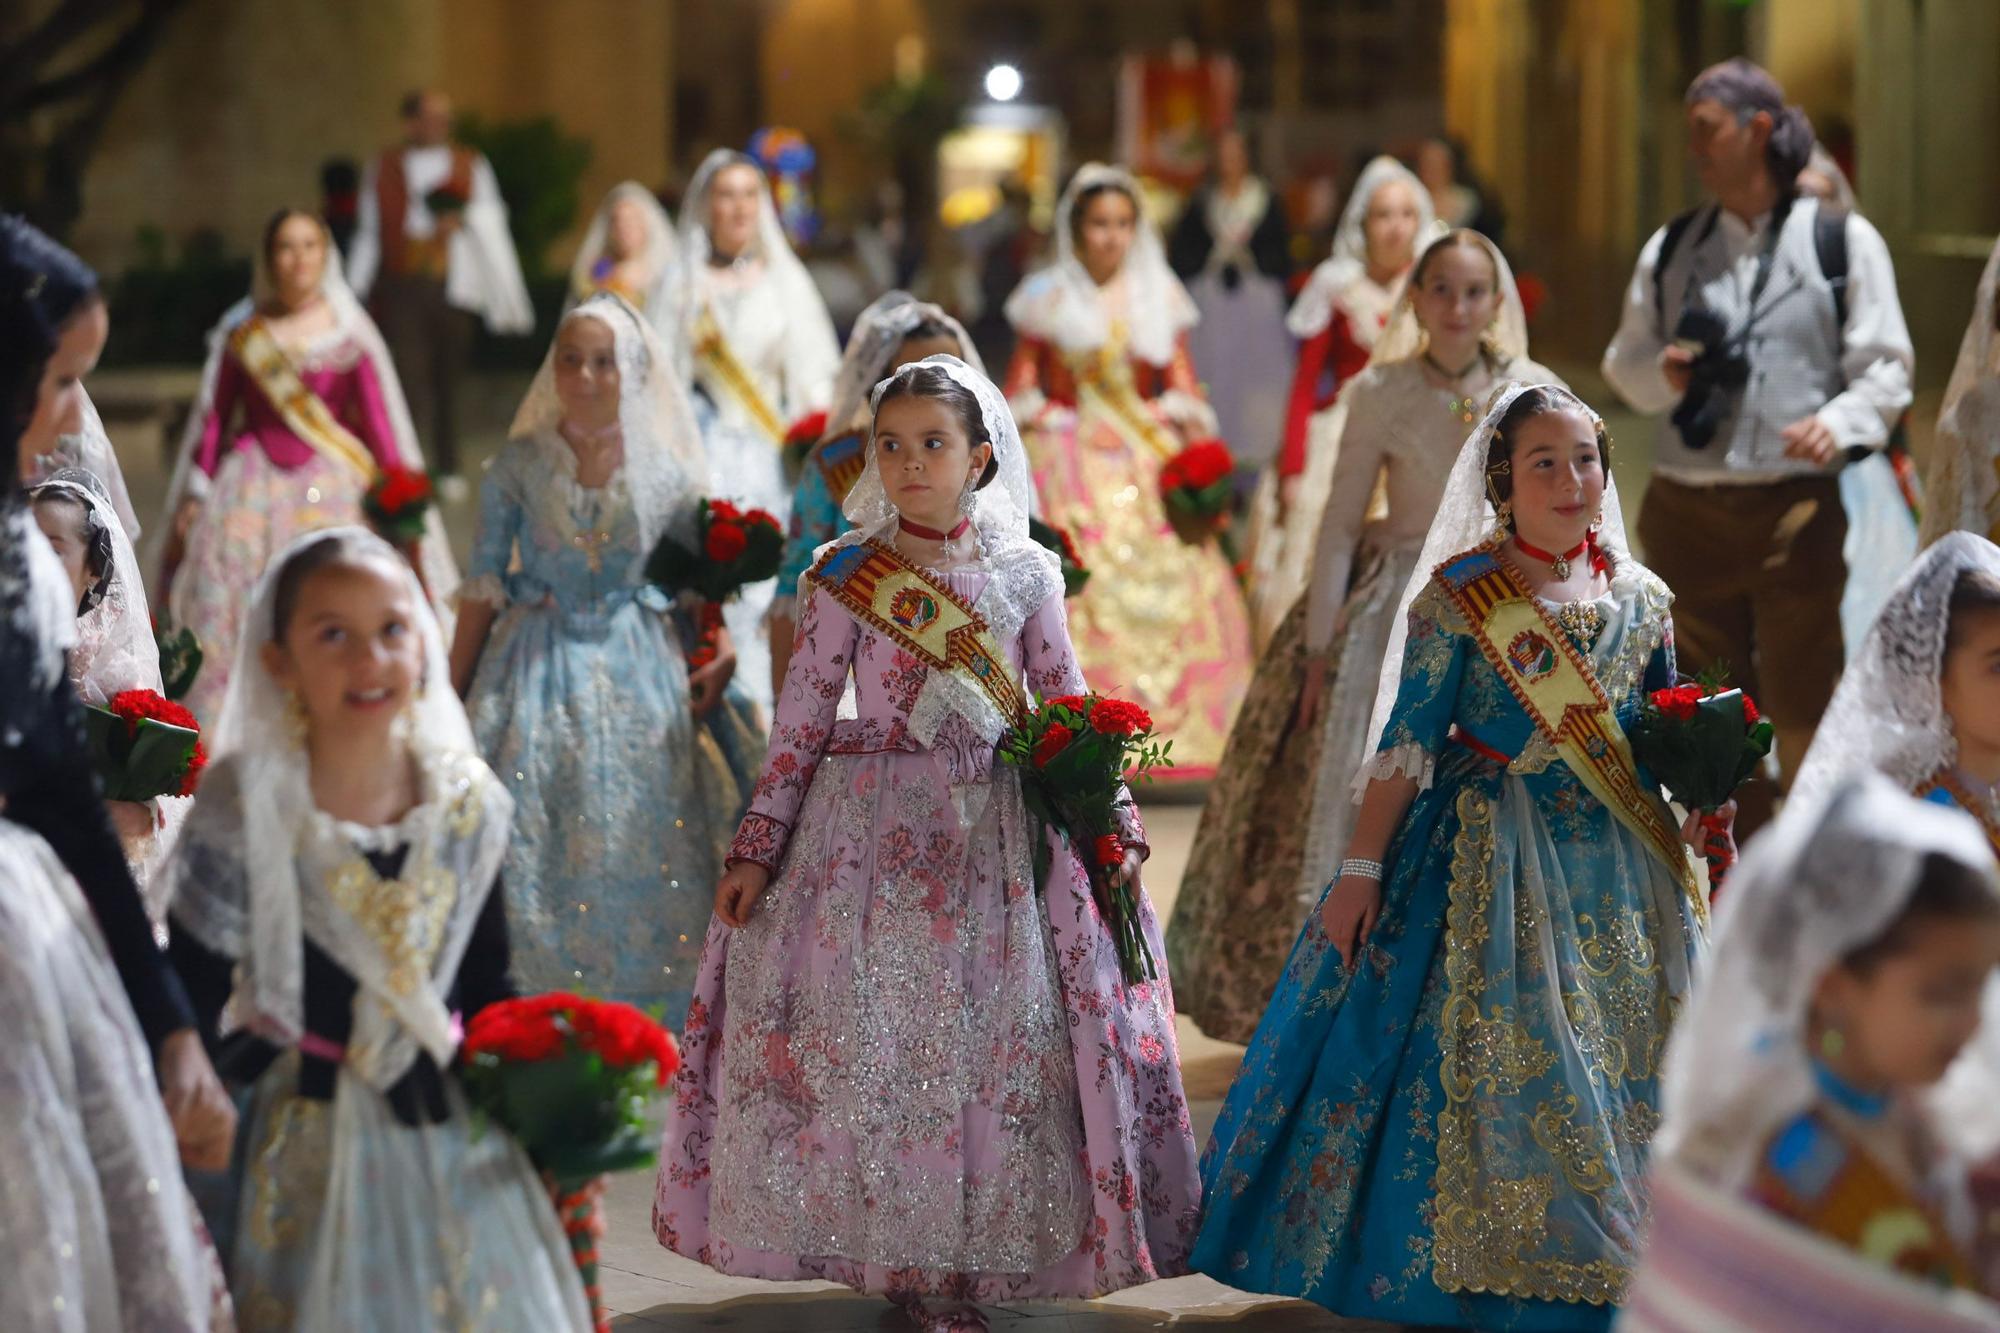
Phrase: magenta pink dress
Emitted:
{"points": [[264, 487], [910, 1073]]}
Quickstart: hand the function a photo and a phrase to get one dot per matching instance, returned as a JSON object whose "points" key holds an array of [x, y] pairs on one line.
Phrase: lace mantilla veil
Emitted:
{"points": [[663, 465], [1465, 519], [1060, 303], [272, 781], [662, 254], [1887, 714], [1312, 311], [798, 294], [114, 637], [878, 332], [1022, 574], [1827, 877]]}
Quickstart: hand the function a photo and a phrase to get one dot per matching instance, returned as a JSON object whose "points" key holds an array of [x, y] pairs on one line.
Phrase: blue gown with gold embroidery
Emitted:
{"points": [[1455, 1132]]}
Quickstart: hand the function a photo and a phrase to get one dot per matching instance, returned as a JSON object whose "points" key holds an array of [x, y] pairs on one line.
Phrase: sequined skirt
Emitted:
{"points": [[351, 1219]]}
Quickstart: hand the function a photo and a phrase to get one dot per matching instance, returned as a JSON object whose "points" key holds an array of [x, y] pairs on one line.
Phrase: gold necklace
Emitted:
{"points": [[1464, 408]]}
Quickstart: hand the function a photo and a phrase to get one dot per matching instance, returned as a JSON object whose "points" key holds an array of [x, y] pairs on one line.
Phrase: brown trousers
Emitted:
{"points": [[431, 341], [1757, 575]]}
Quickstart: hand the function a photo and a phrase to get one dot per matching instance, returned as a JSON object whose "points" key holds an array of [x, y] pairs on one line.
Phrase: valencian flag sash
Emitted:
{"points": [[303, 411], [929, 620], [725, 372], [1556, 686], [841, 461]]}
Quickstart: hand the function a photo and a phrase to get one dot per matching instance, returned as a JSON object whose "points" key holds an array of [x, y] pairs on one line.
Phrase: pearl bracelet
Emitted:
{"points": [[1360, 869]]}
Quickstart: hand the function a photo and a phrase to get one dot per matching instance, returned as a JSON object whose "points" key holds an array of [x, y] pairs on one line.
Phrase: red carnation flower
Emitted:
{"points": [[1679, 702], [1202, 464], [1051, 744], [196, 763], [722, 509], [764, 518], [701, 656], [1750, 714], [402, 488], [1075, 702], [1109, 850], [807, 429], [1120, 717], [726, 541]]}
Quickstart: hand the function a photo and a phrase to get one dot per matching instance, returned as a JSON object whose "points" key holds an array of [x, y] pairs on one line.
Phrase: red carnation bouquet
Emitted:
{"points": [[1073, 752], [1196, 486], [1074, 572], [446, 201], [571, 1079], [397, 504], [738, 547], [1702, 742], [800, 439], [144, 745]]}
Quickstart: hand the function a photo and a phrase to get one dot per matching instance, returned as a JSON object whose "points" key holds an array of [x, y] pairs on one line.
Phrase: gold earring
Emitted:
{"points": [[295, 719], [1505, 513], [1832, 1043]]}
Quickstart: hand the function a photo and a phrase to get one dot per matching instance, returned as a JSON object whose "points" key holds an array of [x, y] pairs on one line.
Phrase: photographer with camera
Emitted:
{"points": [[1772, 332]]}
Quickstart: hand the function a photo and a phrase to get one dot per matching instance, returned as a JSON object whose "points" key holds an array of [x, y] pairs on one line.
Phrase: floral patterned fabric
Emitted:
{"points": [[910, 1072], [623, 800], [1160, 622], [1455, 1131]]}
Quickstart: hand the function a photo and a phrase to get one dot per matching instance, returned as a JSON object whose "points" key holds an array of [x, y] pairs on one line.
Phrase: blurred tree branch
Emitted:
{"points": [[59, 80]]}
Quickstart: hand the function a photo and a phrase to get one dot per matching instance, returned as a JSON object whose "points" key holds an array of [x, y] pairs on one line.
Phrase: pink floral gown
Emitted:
{"points": [[909, 1073]]}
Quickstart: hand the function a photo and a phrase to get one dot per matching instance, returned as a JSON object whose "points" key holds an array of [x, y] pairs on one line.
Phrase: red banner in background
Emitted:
{"points": [[1170, 109]]}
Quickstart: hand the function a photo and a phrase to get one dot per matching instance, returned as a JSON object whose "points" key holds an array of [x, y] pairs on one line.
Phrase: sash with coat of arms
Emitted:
{"points": [[1558, 688], [880, 588]]}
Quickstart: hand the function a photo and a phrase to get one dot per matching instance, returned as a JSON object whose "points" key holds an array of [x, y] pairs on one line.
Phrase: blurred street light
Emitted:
{"points": [[1003, 83]]}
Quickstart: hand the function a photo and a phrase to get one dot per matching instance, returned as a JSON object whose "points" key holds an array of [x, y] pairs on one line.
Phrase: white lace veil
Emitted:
{"points": [[275, 785], [799, 297], [1000, 509], [90, 449], [1962, 485], [352, 320], [1312, 311], [879, 332], [662, 258], [663, 459], [1506, 337], [1887, 714], [114, 639], [1465, 519], [1829, 876], [1060, 304]]}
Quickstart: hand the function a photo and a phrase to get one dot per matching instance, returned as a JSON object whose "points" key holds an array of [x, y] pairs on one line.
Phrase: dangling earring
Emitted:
{"points": [[1505, 513], [295, 719], [1832, 1043], [1597, 524], [965, 497]]}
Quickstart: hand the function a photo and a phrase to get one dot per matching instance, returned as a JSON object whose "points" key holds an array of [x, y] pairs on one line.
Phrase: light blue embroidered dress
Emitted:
{"points": [[624, 801], [1455, 1133]]}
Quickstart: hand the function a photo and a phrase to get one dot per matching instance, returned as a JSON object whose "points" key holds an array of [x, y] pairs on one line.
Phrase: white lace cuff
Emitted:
{"points": [[485, 588], [1399, 761], [1190, 412]]}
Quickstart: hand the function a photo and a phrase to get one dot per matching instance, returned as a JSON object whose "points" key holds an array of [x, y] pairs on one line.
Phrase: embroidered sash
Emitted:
{"points": [[711, 349], [303, 411], [1555, 684], [841, 460], [1104, 381], [924, 617]]}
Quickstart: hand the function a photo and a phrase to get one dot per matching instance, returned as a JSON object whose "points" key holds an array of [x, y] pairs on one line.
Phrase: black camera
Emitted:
{"points": [[1715, 380]]}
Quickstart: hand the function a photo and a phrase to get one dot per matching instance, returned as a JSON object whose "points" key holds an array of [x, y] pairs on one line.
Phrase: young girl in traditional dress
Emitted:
{"points": [[1920, 701], [629, 250], [1279, 813], [893, 331], [300, 411], [907, 1069], [1814, 1075], [336, 903], [1443, 1118], [1105, 392], [628, 768], [115, 650], [762, 354], [1339, 316]]}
